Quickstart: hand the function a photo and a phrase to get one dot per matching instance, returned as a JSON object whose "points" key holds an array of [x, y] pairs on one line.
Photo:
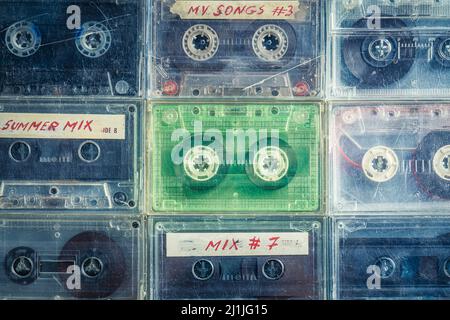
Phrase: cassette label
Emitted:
{"points": [[194, 259], [62, 126], [235, 158], [390, 157], [219, 9], [392, 258], [219, 49], [236, 244], [69, 156], [389, 49], [70, 259], [71, 48]]}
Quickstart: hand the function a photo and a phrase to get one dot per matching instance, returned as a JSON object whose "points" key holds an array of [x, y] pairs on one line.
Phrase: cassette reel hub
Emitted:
{"points": [[387, 267], [89, 151], [441, 165], [20, 151], [444, 49], [92, 267], [446, 267], [201, 163], [379, 52], [23, 39], [94, 39], [380, 164], [22, 267], [203, 269], [270, 43], [271, 164], [200, 42], [273, 269]]}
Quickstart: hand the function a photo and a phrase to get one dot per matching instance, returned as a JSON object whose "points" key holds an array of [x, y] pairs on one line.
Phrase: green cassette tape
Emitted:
{"points": [[235, 158]]}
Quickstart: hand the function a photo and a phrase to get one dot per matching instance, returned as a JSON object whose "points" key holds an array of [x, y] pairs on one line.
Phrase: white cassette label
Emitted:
{"points": [[235, 10], [237, 244], [62, 126]]}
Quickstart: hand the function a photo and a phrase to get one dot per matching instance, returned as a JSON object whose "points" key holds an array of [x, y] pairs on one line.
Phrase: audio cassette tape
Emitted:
{"points": [[392, 258], [71, 48], [212, 157], [390, 157], [69, 155], [219, 49], [202, 258], [70, 259], [389, 49]]}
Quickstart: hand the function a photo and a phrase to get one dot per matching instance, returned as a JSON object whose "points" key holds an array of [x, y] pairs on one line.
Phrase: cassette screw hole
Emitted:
{"points": [[89, 151], [275, 110], [94, 202], [273, 269], [20, 151], [53, 190], [92, 267], [391, 113], [120, 198], [122, 87], [203, 269], [258, 90], [131, 204], [135, 224], [437, 113], [275, 92], [196, 92], [196, 110], [387, 267], [22, 267], [212, 113], [258, 113]]}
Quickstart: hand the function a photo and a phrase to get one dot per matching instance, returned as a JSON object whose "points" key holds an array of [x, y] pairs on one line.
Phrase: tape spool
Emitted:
{"points": [[101, 262], [273, 165], [380, 164]]}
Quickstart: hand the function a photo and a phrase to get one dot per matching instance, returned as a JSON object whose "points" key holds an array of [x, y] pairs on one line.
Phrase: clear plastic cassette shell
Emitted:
{"points": [[207, 258], [235, 158], [74, 156], [210, 49], [389, 49], [391, 158], [80, 258], [385, 258], [71, 48]]}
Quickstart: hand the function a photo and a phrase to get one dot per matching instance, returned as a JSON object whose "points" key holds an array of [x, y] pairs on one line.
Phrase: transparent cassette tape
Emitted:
{"points": [[219, 49], [384, 258], [202, 258], [211, 157], [389, 49], [71, 48], [78, 156], [390, 157], [78, 258]]}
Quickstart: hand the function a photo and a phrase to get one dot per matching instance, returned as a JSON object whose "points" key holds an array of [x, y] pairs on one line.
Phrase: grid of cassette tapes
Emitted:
{"points": [[221, 149]]}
